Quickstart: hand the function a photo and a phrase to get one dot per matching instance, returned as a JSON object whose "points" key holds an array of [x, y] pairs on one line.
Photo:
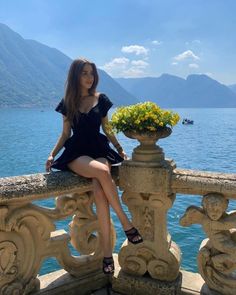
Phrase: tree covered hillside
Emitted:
{"points": [[33, 74]]}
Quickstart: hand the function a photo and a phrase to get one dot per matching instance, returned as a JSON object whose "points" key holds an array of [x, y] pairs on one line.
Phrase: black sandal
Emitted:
{"points": [[108, 265], [133, 236]]}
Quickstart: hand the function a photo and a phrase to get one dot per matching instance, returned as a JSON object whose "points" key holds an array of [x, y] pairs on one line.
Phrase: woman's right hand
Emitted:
{"points": [[49, 162]]}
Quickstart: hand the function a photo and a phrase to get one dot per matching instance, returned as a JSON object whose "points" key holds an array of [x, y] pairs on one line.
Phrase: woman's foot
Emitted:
{"points": [[108, 265], [133, 236]]}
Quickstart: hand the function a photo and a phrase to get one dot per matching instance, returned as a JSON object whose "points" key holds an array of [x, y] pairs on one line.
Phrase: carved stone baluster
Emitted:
{"points": [[145, 181], [217, 254], [28, 236], [24, 233], [83, 227]]}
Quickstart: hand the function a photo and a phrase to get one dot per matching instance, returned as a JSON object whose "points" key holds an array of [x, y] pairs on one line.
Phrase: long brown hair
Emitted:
{"points": [[73, 90]]}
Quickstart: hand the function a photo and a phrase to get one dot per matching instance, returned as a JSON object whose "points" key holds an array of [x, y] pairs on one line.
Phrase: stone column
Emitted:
{"points": [[145, 181]]}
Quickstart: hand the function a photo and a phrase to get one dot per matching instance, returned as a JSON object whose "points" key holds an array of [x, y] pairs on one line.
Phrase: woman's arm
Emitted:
{"points": [[110, 135], [66, 132]]}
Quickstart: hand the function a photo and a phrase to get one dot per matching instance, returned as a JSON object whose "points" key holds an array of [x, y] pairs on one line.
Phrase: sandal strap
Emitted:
{"points": [[108, 259], [132, 231], [133, 235], [108, 265]]}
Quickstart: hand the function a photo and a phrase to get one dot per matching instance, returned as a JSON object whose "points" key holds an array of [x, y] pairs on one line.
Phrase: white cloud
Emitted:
{"points": [[188, 54], [118, 62], [137, 49], [174, 63], [194, 66], [132, 72], [156, 42], [139, 63], [124, 67]]}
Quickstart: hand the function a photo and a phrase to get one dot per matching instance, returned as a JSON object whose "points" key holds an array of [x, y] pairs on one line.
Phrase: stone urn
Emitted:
{"points": [[148, 150]]}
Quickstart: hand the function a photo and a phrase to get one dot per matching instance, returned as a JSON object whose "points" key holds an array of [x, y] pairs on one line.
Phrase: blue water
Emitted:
{"points": [[28, 135]]}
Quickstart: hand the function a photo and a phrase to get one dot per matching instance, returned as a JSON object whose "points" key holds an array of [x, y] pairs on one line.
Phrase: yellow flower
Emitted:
{"points": [[146, 116]]}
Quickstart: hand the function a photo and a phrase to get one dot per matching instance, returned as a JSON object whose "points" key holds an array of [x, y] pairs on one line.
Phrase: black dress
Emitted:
{"points": [[87, 139]]}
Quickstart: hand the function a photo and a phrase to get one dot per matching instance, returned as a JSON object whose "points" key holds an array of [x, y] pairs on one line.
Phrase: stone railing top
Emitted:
{"points": [[197, 182], [42, 185]]}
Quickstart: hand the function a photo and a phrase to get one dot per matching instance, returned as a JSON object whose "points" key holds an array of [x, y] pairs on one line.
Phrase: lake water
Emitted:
{"points": [[28, 135]]}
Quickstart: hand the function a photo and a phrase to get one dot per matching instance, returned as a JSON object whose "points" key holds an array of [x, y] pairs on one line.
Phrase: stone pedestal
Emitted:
{"points": [[147, 193], [124, 283]]}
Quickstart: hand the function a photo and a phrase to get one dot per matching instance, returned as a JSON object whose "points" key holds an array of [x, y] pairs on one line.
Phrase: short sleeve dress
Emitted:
{"points": [[86, 139]]}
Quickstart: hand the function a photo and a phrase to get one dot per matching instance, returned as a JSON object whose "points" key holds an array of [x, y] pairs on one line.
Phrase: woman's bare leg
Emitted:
{"points": [[103, 214], [88, 167]]}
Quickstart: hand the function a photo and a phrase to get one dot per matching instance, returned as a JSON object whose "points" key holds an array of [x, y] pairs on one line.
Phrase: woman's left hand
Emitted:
{"points": [[123, 155]]}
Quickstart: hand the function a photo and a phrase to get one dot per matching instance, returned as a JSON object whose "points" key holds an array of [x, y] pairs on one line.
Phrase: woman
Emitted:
{"points": [[87, 151]]}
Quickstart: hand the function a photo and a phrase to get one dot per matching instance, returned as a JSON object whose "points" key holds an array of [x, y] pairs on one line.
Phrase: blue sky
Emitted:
{"points": [[134, 38]]}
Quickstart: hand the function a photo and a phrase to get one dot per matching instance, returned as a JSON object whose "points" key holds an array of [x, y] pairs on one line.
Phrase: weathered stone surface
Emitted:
{"points": [[130, 284], [37, 186], [200, 183], [147, 193], [138, 177], [28, 236], [61, 283], [42, 185], [217, 255], [148, 151], [192, 283]]}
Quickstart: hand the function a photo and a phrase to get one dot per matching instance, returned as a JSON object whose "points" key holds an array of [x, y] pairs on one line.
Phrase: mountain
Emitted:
{"points": [[30, 73], [172, 91], [114, 90], [33, 74], [232, 87]]}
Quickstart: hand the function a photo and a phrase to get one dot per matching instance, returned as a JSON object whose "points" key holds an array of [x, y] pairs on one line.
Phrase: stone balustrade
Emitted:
{"points": [[28, 234]]}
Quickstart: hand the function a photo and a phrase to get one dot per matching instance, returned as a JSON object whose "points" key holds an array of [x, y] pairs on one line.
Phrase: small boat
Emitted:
{"points": [[187, 121]]}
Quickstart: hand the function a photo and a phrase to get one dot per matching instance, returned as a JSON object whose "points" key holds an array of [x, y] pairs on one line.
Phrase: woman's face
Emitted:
{"points": [[87, 77]]}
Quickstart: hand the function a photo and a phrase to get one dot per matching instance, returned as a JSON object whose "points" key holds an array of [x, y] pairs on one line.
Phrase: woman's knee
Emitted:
{"points": [[103, 171]]}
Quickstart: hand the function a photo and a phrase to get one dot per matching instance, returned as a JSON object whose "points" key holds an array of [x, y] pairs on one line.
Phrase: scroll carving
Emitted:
{"points": [[28, 235], [84, 228], [157, 255], [84, 225], [217, 255], [8, 258], [24, 233]]}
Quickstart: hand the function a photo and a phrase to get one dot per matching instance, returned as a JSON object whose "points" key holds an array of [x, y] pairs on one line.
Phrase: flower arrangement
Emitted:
{"points": [[142, 117]]}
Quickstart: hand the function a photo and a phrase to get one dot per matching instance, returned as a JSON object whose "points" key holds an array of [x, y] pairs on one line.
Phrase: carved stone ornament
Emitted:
{"points": [[157, 255], [127, 284], [217, 255], [148, 151], [28, 236], [145, 181], [24, 233]]}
